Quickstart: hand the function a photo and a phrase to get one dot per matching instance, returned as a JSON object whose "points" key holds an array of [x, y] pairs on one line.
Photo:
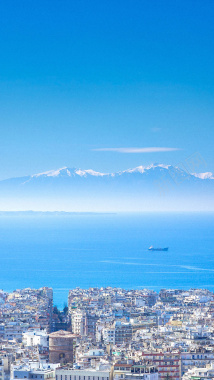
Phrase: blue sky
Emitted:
{"points": [[80, 76]]}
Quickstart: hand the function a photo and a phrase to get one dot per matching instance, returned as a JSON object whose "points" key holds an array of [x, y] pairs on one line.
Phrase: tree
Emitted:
{"points": [[65, 309]]}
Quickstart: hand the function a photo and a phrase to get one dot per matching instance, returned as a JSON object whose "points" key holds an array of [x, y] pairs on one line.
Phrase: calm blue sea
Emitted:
{"points": [[99, 250]]}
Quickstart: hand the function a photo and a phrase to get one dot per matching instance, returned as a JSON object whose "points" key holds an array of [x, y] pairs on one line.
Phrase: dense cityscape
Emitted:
{"points": [[107, 334]]}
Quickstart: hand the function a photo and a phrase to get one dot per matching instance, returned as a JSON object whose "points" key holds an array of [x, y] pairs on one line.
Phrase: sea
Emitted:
{"points": [[98, 250]]}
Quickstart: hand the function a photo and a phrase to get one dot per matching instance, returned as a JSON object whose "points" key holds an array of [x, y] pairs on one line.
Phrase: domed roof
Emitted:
{"points": [[62, 334]]}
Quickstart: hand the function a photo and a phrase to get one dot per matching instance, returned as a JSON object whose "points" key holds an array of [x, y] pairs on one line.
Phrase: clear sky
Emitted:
{"points": [[79, 76]]}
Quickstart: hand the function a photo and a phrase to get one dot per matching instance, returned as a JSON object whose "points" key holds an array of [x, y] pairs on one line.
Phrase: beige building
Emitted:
{"points": [[61, 347]]}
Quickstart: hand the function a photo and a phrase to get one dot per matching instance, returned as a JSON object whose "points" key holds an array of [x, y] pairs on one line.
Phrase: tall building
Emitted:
{"points": [[84, 323], [79, 323], [123, 332], [118, 333]]}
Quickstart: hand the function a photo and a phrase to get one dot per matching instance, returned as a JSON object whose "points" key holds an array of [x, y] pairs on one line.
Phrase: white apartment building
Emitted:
{"points": [[1, 369], [134, 372], [14, 330], [139, 302], [4, 367], [79, 323], [99, 331], [195, 359], [35, 338], [86, 374], [200, 373], [84, 323], [34, 370], [109, 335]]}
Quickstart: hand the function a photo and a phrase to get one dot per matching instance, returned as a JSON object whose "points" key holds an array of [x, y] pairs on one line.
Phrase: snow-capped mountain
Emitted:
{"points": [[63, 172], [148, 170], [153, 187]]}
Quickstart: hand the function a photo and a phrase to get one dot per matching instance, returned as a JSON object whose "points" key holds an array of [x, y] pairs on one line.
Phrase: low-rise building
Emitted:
{"points": [[85, 374]]}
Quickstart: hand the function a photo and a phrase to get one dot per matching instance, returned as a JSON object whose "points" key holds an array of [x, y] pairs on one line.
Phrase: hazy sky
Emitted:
{"points": [[78, 76]]}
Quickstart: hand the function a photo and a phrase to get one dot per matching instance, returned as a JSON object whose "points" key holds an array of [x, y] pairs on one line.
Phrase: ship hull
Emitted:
{"points": [[159, 249]]}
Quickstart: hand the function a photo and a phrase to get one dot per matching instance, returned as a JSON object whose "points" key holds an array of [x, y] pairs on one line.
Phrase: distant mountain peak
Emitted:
{"points": [[72, 172], [142, 169], [53, 173], [83, 173], [65, 171]]}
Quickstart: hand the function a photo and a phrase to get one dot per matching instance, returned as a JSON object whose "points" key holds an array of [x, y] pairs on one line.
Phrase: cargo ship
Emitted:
{"points": [[158, 249]]}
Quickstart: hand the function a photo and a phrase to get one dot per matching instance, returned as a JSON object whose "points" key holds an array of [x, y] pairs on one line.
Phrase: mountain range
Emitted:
{"points": [[156, 187]]}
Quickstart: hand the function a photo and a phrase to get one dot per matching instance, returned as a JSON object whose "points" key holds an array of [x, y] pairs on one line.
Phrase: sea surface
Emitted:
{"points": [[92, 250]]}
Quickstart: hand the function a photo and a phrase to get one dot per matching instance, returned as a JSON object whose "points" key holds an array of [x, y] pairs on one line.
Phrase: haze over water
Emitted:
{"points": [[91, 250]]}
